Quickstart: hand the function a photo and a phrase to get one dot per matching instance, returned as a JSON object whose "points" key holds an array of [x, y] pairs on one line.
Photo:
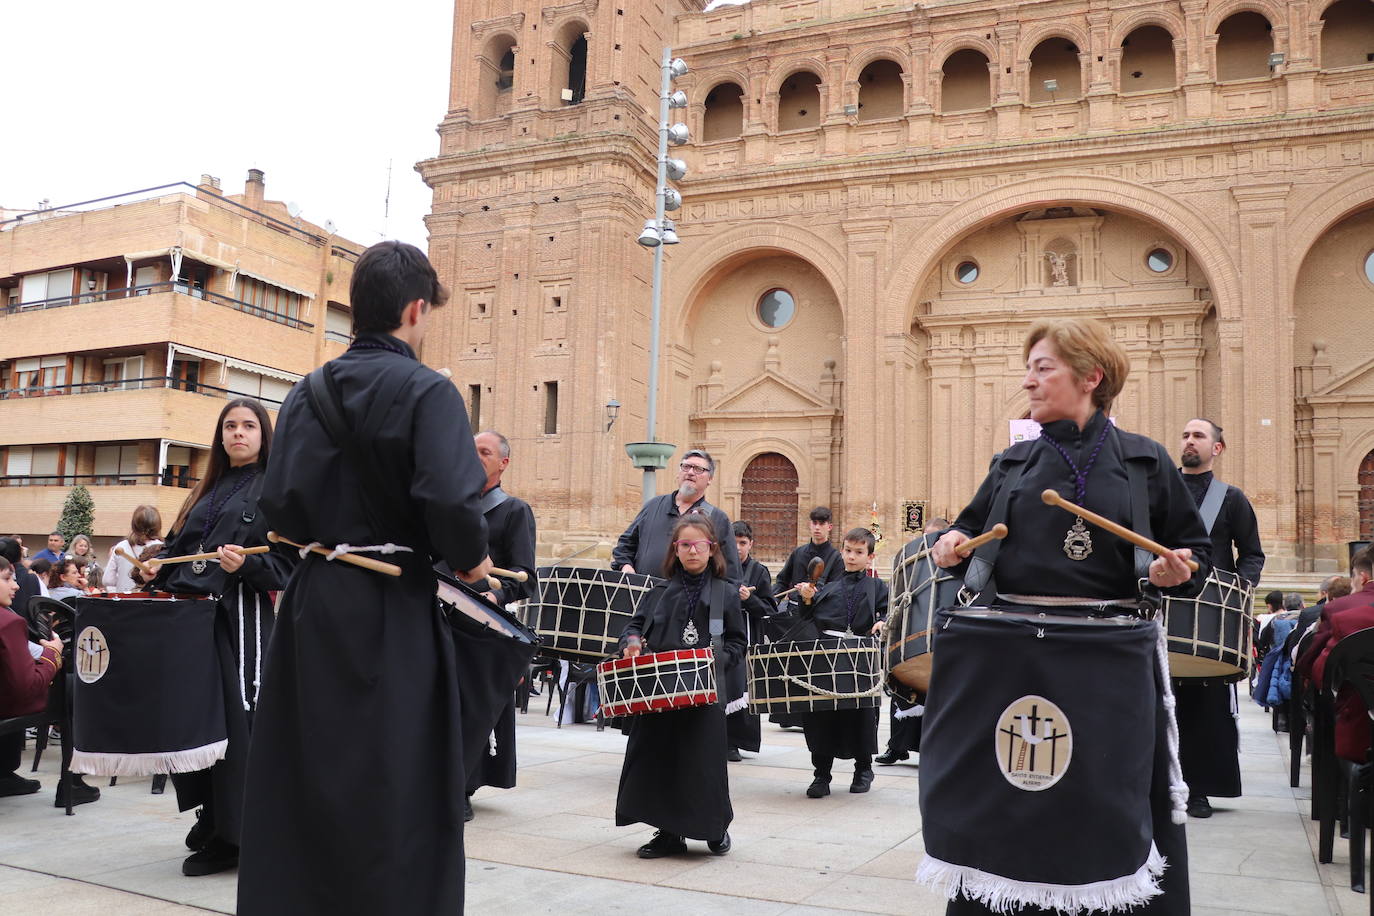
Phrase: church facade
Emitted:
{"points": [[881, 199]]}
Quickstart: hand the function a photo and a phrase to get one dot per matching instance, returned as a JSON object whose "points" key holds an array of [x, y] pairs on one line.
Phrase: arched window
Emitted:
{"points": [[1147, 60], [967, 82], [1055, 62], [881, 93], [1244, 43], [568, 71], [799, 101], [1347, 34], [1366, 498], [497, 78], [724, 116]]}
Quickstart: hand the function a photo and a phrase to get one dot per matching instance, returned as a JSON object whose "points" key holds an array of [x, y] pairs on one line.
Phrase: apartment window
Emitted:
{"points": [[271, 391], [177, 473], [145, 277], [475, 407], [38, 375], [55, 284], [269, 298], [116, 464], [338, 323], [33, 465], [550, 408], [128, 370]]}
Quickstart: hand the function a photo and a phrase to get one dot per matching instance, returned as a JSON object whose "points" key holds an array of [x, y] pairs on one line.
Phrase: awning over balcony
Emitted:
{"points": [[270, 282], [230, 361], [177, 253]]}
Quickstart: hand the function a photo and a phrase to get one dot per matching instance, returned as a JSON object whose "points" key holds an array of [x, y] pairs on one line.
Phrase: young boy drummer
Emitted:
{"points": [[855, 604]]}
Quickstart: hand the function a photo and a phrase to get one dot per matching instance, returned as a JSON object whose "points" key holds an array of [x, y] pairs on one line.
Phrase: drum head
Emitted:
{"points": [[466, 606], [914, 672], [1192, 666]]}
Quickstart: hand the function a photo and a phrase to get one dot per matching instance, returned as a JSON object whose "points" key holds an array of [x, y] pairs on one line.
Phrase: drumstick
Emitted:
{"points": [[997, 532], [142, 567], [1052, 498], [210, 556], [389, 569], [518, 575], [812, 572]]}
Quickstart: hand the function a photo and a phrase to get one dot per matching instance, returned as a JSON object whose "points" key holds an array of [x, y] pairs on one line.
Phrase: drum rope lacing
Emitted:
{"points": [[872, 692], [341, 549]]}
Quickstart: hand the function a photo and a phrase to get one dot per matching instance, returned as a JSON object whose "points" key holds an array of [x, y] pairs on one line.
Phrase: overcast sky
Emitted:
{"points": [[102, 98]]}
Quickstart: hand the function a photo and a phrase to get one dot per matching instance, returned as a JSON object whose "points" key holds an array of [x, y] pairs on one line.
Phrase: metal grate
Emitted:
{"points": [[1366, 498], [769, 504]]}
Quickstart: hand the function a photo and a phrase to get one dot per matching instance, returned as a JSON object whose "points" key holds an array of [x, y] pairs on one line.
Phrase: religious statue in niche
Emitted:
{"points": [[1059, 267]]}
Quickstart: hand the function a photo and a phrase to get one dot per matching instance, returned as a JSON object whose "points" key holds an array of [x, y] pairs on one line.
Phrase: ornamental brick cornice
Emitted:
{"points": [[554, 13], [1262, 197], [512, 21]]}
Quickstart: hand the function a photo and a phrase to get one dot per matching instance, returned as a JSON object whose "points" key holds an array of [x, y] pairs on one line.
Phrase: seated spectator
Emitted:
{"points": [[53, 552], [83, 552], [65, 580], [40, 570], [1331, 587], [24, 681], [1339, 618], [145, 530], [12, 549]]}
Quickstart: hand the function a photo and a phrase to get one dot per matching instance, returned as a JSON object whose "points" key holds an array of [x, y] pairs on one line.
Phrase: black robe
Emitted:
{"points": [[799, 560], [243, 617], [674, 775], [742, 726], [1031, 561], [845, 733], [1208, 739], [644, 545], [355, 775], [511, 538]]}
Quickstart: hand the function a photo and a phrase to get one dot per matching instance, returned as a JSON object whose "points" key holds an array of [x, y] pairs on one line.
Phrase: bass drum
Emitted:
{"points": [[919, 590]]}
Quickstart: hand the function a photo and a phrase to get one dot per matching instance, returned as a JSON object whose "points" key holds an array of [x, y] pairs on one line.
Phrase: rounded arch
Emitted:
{"points": [[791, 67], [1326, 210], [1164, 19], [748, 450], [1029, 41], [718, 77], [868, 55], [743, 243], [1206, 244], [1272, 13], [569, 29], [1318, 9], [504, 37], [944, 49]]}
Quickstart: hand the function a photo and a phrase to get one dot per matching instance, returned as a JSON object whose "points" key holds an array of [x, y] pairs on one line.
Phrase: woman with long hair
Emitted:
{"points": [[674, 774], [221, 516], [83, 552], [145, 531]]}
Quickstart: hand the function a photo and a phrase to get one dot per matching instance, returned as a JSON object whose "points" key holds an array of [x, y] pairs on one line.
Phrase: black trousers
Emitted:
{"points": [[822, 764], [11, 750]]}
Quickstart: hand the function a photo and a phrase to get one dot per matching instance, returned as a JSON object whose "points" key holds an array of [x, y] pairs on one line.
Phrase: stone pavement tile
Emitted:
{"points": [[164, 880], [899, 863], [1250, 894], [518, 848], [880, 895], [577, 828], [755, 880], [779, 847], [618, 860], [77, 898]]}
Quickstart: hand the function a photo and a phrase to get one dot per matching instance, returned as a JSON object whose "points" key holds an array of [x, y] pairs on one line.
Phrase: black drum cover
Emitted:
{"points": [[1037, 752], [1210, 634], [147, 696], [581, 612], [816, 675]]}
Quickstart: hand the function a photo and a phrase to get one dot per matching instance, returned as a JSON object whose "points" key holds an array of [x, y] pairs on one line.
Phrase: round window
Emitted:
{"points": [[1159, 260], [966, 272], [776, 308], [1369, 267]]}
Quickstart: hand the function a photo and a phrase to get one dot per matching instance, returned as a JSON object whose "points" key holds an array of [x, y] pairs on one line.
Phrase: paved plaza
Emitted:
{"points": [[551, 845]]}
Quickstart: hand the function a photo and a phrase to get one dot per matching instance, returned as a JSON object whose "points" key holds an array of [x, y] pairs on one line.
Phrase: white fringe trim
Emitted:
{"points": [[739, 705], [187, 761], [1004, 895], [910, 712]]}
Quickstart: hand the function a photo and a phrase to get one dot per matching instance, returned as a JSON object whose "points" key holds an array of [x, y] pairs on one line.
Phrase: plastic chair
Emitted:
{"points": [[1351, 664], [1298, 718]]}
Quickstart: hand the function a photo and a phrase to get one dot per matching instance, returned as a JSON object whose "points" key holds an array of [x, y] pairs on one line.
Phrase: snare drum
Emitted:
{"points": [[1210, 635], [919, 590], [656, 682], [581, 612], [817, 675], [147, 693]]}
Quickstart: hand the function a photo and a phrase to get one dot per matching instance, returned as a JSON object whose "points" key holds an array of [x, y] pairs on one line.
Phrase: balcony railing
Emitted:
{"points": [[134, 384], [195, 292], [168, 478]]}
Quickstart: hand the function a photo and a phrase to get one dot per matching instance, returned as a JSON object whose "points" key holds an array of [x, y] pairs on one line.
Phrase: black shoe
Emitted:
{"points": [[862, 780], [663, 844], [159, 783], [200, 832], [733, 755], [467, 810], [1198, 806], [888, 758], [819, 788], [721, 846], [217, 856], [14, 784], [80, 792]]}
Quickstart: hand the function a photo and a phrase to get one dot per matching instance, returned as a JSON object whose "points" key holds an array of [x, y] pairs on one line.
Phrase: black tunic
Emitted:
{"points": [[799, 560], [674, 774], [742, 726], [355, 776], [1208, 739], [511, 539], [1031, 561], [243, 618], [644, 545], [854, 602]]}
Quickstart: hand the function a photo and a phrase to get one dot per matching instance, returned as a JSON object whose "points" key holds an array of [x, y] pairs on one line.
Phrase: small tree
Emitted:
{"points": [[78, 514]]}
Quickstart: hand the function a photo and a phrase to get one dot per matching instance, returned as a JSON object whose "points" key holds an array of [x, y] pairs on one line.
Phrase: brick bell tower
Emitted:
{"points": [[545, 175]]}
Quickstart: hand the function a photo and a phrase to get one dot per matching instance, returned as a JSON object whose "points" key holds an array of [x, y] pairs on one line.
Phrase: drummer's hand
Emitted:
{"points": [[54, 643], [877, 628], [230, 560], [745, 591], [1171, 569], [633, 646], [627, 568], [943, 552], [806, 591], [478, 573]]}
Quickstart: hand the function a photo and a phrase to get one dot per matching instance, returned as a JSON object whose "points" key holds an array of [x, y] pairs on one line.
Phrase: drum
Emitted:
{"points": [[1210, 635], [1037, 753], [919, 590], [147, 695], [818, 675], [656, 682], [580, 612]]}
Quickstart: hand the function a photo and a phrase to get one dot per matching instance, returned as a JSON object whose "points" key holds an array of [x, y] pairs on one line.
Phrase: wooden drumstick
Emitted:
{"points": [[997, 532], [519, 575], [813, 573], [144, 568], [390, 569], [1052, 498], [210, 556]]}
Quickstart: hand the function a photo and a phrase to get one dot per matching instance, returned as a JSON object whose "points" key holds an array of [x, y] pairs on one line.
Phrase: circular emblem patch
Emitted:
{"points": [[1034, 743], [92, 655]]}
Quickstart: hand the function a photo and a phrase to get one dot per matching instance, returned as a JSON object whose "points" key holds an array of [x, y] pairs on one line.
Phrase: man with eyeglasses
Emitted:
{"points": [[644, 545]]}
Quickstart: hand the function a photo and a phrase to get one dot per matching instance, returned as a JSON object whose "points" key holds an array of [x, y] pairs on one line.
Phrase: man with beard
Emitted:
{"points": [[1208, 740], [644, 545]]}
